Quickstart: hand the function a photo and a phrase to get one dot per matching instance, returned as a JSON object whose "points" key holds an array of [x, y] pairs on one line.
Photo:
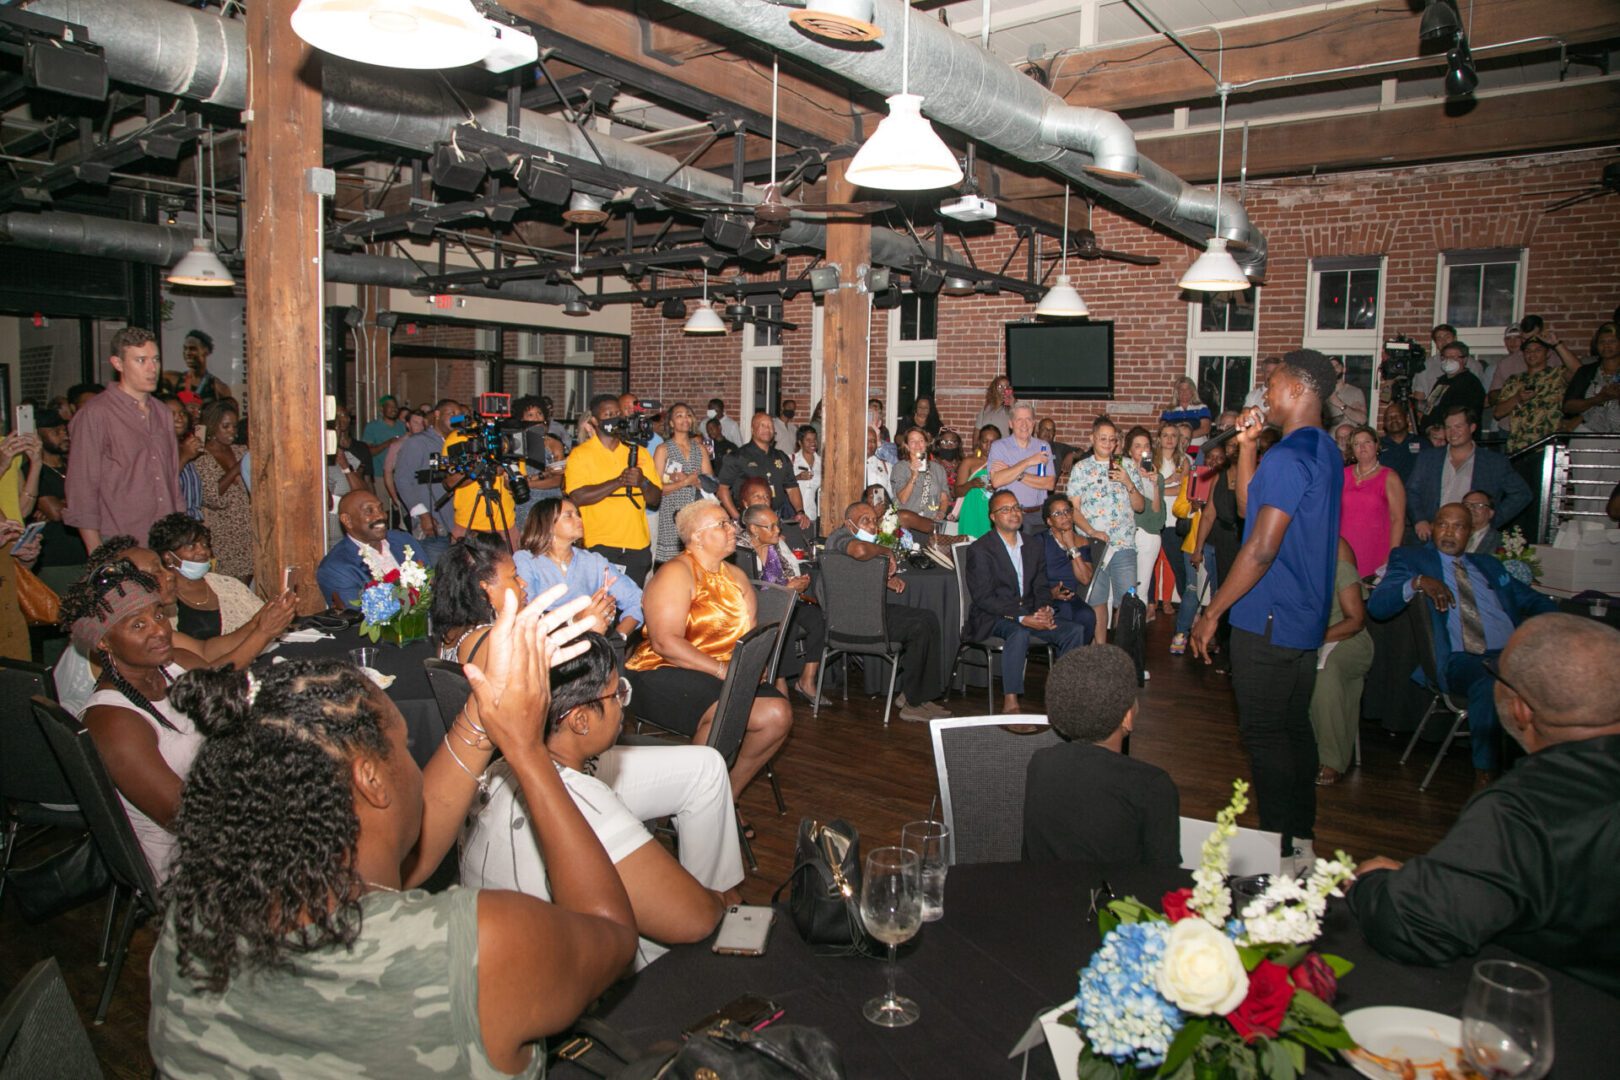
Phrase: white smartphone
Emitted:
{"points": [[25, 420], [33, 529], [286, 578], [744, 930]]}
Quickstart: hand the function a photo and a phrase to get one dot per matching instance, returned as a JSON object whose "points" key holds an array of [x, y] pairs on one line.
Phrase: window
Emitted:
{"points": [[1346, 299], [919, 317], [765, 335], [762, 359], [913, 330], [1344, 317], [1221, 346], [1481, 290], [581, 350]]}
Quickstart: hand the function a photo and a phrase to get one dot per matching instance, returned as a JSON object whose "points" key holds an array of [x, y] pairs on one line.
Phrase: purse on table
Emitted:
{"points": [[724, 1049], [825, 887]]}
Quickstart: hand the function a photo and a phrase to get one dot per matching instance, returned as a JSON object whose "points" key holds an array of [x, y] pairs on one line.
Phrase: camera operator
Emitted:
{"points": [[1456, 386], [481, 503], [612, 494]]}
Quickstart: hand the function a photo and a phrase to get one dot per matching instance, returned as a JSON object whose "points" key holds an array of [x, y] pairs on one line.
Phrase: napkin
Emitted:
{"points": [[305, 635], [383, 681]]}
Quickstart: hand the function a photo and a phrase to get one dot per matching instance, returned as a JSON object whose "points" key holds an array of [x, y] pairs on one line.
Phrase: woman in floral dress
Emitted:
{"points": [[1107, 494], [1534, 398], [226, 509]]}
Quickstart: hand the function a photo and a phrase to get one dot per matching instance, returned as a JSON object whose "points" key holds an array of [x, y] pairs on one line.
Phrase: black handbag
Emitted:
{"points": [[825, 886], [730, 1050], [60, 883]]}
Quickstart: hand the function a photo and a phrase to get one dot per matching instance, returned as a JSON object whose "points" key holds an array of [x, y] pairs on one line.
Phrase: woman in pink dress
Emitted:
{"points": [[1372, 511]]}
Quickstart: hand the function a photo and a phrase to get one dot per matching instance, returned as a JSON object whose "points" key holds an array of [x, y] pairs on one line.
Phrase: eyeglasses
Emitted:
{"points": [[1477, 505], [722, 523], [622, 692], [1061, 512], [1012, 508]]}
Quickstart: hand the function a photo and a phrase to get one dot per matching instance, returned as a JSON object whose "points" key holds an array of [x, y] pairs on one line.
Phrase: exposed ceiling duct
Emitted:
{"points": [[172, 49], [986, 100]]}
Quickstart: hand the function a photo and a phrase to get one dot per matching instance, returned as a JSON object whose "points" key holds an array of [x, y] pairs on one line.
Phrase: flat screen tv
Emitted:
{"points": [[1061, 360]]}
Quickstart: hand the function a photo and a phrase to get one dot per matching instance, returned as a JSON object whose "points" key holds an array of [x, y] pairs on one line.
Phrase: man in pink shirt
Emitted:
{"points": [[124, 473]]}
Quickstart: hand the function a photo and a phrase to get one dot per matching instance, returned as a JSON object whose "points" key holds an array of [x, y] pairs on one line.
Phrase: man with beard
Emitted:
{"points": [[61, 554], [1398, 450], [343, 573]]}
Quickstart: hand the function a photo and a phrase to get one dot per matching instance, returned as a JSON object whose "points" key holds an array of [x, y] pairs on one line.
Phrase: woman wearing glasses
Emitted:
{"points": [[617, 788], [698, 606]]}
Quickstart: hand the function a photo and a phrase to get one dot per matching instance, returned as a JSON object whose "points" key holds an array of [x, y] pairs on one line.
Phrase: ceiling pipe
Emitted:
{"points": [[987, 101], [166, 47]]}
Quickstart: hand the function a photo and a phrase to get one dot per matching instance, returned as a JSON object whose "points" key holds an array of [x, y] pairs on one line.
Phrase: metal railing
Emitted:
{"points": [[1573, 475]]}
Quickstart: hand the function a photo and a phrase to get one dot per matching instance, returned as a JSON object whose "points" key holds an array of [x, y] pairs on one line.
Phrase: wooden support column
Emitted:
{"points": [[845, 353], [286, 420]]}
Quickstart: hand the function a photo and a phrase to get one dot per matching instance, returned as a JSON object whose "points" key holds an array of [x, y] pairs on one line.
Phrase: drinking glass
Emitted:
{"points": [[931, 841], [364, 657], [1507, 1031], [891, 907]]}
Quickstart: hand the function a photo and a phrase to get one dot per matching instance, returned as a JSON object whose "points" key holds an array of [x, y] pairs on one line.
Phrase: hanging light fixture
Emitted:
{"points": [[705, 320], [200, 267], [1439, 21], [1215, 270], [397, 33], [905, 153], [1461, 78], [1062, 300]]}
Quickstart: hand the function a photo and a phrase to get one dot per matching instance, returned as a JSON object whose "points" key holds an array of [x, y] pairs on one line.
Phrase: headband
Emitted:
{"points": [[120, 604]]}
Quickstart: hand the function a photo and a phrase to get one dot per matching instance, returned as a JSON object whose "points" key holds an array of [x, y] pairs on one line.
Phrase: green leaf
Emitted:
{"points": [[1341, 967], [1313, 1011], [1290, 957], [1093, 1067], [1335, 1038], [1106, 922], [1275, 1062], [1296, 1055], [1186, 1041], [1131, 910], [1250, 956]]}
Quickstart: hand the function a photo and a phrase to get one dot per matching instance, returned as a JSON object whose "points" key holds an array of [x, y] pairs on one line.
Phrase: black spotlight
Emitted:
{"points": [[887, 299], [823, 279], [926, 279], [543, 185], [456, 171], [1461, 78], [1440, 21], [674, 308]]}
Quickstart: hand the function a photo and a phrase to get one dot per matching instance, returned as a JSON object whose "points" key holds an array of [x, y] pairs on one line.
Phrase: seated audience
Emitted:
{"points": [[146, 741], [1445, 474], [1477, 605], [1008, 596], [551, 554], [344, 572], [1342, 664], [294, 941], [768, 558], [1530, 863], [1068, 564], [916, 630], [756, 491], [1485, 538], [208, 604], [698, 606], [1085, 800], [617, 788], [922, 491], [470, 579]]}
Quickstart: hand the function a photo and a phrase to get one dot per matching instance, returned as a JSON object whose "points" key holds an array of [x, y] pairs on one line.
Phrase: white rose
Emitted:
{"points": [[1201, 972]]}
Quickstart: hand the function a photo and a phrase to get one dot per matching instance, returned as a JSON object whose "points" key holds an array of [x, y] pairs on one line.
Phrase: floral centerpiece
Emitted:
{"points": [[394, 603], [1518, 557], [892, 536], [1191, 992]]}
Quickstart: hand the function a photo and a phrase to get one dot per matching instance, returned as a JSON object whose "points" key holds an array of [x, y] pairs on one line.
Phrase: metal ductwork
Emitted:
{"points": [[163, 46], [970, 90]]}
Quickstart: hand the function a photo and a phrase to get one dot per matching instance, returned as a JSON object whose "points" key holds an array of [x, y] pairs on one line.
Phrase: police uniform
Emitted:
{"points": [[773, 466]]}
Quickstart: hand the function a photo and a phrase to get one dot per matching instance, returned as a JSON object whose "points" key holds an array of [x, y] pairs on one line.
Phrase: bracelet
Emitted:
{"points": [[480, 741], [477, 778]]}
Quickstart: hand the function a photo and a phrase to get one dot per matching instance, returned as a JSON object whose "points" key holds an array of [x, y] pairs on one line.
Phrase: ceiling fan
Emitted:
{"points": [[1608, 184], [1085, 246]]}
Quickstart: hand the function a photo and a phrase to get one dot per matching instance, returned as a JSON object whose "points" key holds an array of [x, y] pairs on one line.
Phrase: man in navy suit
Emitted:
{"points": [[1008, 596], [1445, 474], [1477, 605], [343, 573]]}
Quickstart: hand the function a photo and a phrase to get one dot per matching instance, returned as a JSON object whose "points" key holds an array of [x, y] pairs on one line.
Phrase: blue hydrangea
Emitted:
{"points": [[1519, 571], [379, 604], [1234, 928], [1119, 1009]]}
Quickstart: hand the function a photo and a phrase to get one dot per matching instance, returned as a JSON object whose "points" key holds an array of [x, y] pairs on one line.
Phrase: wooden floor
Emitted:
{"points": [[846, 764]]}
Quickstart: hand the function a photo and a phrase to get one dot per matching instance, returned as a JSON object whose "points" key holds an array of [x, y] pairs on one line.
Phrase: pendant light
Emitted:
{"points": [[419, 34], [905, 153], [200, 268], [1062, 300], [1215, 270], [705, 320]]}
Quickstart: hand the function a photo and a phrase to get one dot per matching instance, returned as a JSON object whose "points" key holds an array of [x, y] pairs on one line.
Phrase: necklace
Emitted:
{"points": [[379, 888], [1363, 475]]}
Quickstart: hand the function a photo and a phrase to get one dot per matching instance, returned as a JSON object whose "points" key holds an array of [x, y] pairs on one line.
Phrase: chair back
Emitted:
{"points": [[964, 602], [748, 660], [98, 800], [40, 1030], [28, 770], [1420, 614], [981, 767], [1253, 851], [450, 687], [854, 598], [775, 608]]}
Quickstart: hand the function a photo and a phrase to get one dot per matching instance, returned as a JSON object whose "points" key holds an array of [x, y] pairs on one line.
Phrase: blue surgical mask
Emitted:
{"points": [[193, 571], [866, 537]]}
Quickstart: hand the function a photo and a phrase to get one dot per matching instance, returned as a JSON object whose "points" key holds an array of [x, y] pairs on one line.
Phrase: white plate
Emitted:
{"points": [[1402, 1034]]}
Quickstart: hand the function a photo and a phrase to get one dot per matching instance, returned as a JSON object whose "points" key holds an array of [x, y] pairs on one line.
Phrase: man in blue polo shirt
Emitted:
{"points": [[1280, 590]]}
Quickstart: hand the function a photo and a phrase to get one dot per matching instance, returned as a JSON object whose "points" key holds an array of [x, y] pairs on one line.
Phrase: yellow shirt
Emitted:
{"points": [[468, 503], [614, 521], [11, 485]]}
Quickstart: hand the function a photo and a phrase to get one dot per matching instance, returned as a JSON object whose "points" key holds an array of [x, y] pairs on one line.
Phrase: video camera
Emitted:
{"points": [[494, 447], [1403, 359], [635, 428]]}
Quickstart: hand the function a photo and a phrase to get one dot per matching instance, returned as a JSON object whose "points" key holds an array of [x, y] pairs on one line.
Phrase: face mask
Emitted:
{"points": [[788, 414], [193, 571], [711, 414], [866, 537], [1450, 367]]}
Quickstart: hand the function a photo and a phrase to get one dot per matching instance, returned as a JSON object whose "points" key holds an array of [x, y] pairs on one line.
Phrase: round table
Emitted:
{"points": [[410, 691]]}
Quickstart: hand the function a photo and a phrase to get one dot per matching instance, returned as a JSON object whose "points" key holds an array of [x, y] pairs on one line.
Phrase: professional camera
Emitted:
{"points": [[1403, 359], [636, 427], [493, 449]]}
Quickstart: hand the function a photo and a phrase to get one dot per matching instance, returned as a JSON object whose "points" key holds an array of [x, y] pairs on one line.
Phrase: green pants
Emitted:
{"points": [[1336, 701]]}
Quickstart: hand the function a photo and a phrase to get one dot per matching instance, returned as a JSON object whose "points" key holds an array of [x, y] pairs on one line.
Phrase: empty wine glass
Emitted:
{"points": [[891, 907], [931, 841], [1507, 1031]]}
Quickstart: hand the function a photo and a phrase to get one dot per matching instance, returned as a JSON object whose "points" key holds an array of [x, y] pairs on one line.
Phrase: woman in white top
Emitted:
{"points": [[998, 399], [807, 470], [147, 745]]}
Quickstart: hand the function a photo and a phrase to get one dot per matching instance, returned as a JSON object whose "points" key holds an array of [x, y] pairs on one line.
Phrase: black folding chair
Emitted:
{"points": [[450, 688], [1419, 612], [775, 607], [854, 598], [40, 1031], [109, 825], [992, 647], [33, 791]]}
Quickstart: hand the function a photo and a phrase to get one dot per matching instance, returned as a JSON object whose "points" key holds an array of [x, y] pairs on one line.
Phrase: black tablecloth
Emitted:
{"points": [[410, 690], [1011, 946], [933, 589]]}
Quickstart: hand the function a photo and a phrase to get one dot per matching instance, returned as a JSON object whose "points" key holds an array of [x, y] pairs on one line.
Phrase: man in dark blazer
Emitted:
{"points": [[1008, 596], [1460, 649], [343, 572], [1446, 473]]}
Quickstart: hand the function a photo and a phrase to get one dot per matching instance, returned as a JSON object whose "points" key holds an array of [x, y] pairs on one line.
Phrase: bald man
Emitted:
{"points": [[343, 573], [1533, 862]]}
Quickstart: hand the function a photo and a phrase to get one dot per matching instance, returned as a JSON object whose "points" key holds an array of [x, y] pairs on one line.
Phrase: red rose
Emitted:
{"points": [[1174, 904], [1314, 976], [1261, 1012], [391, 577]]}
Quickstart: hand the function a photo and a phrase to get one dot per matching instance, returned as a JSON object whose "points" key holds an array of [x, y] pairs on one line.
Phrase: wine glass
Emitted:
{"points": [[891, 907], [931, 841], [1507, 1031]]}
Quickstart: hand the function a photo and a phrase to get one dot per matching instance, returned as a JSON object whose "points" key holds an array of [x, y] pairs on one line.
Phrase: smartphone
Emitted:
{"points": [[744, 930], [36, 527], [286, 578], [201, 432], [25, 420], [748, 1010]]}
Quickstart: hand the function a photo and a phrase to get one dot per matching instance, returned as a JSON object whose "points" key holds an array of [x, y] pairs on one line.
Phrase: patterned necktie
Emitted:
{"points": [[1473, 627], [772, 571]]}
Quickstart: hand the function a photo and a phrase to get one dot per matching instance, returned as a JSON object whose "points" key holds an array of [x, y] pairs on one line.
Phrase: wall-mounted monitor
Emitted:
{"points": [[1061, 360]]}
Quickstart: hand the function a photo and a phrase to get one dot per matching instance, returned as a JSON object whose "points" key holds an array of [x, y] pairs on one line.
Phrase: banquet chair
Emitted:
{"points": [[992, 647], [981, 762], [33, 791], [854, 596], [775, 605], [41, 1034], [450, 688], [104, 814], [1253, 851], [1420, 611]]}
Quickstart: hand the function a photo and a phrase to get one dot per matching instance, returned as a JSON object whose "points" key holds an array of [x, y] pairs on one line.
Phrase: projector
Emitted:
{"points": [[969, 208]]}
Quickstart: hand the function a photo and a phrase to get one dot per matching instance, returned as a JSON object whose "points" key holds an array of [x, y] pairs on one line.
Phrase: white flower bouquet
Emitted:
{"points": [[1519, 557], [394, 604]]}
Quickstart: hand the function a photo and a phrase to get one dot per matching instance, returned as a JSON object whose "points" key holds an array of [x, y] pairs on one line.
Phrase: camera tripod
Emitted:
{"points": [[487, 506]]}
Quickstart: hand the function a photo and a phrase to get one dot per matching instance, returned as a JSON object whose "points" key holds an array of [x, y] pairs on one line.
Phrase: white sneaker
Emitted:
{"points": [[1301, 860]]}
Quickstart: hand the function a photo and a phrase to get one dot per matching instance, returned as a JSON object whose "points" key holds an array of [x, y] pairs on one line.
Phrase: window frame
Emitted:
{"points": [[1480, 338], [1226, 343], [1369, 342]]}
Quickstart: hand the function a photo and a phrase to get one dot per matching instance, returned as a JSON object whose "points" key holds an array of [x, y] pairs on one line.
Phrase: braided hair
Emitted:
{"points": [[267, 828], [87, 598]]}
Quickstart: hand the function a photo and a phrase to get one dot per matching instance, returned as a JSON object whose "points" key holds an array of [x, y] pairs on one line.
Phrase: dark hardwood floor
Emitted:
{"points": [[846, 764]]}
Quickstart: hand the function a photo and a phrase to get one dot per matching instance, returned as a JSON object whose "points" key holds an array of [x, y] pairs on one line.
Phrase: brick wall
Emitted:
{"points": [[1408, 215]]}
